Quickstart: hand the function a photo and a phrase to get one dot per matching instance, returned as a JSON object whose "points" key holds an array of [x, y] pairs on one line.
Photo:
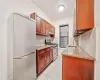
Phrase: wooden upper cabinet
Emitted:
{"points": [[47, 28], [50, 27], [38, 25], [43, 27], [84, 14], [33, 16], [53, 29]]}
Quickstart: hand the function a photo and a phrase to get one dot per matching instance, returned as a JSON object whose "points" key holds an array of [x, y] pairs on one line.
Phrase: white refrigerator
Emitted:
{"points": [[21, 47]]}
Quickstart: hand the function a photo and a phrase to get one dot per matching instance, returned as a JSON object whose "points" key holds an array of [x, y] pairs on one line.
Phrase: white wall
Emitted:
{"points": [[97, 25], [87, 42], [63, 22], [7, 7]]}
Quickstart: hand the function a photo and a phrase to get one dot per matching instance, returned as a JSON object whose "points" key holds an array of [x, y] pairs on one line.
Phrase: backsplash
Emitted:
{"points": [[87, 42], [40, 40]]}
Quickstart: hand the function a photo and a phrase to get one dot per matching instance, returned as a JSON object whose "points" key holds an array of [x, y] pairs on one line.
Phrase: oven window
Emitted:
{"points": [[64, 36]]}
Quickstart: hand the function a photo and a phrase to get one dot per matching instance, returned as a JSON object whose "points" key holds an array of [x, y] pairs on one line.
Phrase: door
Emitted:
{"points": [[47, 57], [25, 67], [24, 37], [41, 62], [84, 14], [53, 29], [43, 26], [47, 28], [38, 25], [51, 55]]}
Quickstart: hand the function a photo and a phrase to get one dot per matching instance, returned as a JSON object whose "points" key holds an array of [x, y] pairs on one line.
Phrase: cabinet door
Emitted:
{"points": [[51, 55], [38, 25], [47, 57], [77, 69], [41, 62], [50, 27], [43, 27], [47, 28], [84, 14], [53, 29]]}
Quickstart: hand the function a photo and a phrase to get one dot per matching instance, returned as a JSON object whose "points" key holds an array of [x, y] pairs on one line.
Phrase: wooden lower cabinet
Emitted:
{"points": [[51, 54], [77, 69], [47, 58], [40, 62], [44, 58]]}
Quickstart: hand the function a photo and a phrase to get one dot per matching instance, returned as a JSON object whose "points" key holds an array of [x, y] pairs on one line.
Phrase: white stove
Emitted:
{"points": [[55, 52]]}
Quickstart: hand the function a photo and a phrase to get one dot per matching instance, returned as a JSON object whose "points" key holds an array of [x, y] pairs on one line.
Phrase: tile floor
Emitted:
{"points": [[53, 71]]}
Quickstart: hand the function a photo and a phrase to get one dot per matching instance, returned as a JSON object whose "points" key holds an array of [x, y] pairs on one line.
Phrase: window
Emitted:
{"points": [[64, 36]]}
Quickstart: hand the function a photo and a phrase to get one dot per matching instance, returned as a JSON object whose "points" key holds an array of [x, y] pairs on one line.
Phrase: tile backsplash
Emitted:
{"points": [[87, 42]]}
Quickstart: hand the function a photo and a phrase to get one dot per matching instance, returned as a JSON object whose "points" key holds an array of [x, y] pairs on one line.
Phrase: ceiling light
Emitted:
{"points": [[61, 8]]}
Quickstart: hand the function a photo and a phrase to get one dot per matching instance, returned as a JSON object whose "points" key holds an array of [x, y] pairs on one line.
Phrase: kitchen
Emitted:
{"points": [[85, 42]]}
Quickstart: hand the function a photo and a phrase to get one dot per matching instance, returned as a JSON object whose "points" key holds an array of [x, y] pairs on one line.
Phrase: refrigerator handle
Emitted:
{"points": [[25, 56]]}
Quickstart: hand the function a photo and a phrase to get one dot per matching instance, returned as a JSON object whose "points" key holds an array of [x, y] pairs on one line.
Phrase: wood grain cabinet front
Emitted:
{"points": [[38, 25], [51, 55], [43, 27], [40, 62], [44, 58], [53, 30], [77, 69], [84, 14], [47, 28], [47, 58]]}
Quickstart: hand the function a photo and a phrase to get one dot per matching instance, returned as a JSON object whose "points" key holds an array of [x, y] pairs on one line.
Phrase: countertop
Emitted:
{"points": [[77, 53], [42, 47]]}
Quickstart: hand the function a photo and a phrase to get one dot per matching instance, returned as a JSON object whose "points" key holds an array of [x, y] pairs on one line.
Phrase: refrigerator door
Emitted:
{"points": [[25, 68], [24, 31]]}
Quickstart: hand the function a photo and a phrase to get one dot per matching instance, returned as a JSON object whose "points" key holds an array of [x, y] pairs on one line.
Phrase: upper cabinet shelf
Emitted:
{"points": [[84, 16], [42, 26]]}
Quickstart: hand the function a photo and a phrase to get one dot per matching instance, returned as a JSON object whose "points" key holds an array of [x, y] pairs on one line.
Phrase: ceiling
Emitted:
{"points": [[50, 8]]}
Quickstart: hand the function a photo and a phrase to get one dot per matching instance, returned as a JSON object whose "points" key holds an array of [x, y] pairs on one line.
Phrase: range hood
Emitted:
{"points": [[51, 33]]}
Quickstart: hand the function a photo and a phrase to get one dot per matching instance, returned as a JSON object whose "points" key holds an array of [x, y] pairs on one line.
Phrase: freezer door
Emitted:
{"points": [[24, 36], [25, 68]]}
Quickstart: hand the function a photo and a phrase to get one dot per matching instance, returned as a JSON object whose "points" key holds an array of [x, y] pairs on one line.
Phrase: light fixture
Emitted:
{"points": [[61, 8]]}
